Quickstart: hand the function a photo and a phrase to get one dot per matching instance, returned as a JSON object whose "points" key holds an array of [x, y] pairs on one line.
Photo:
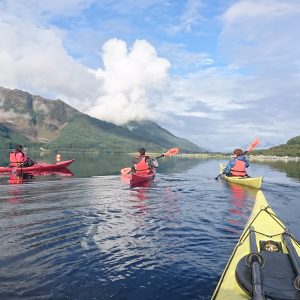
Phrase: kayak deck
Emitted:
{"points": [[269, 233], [254, 182]]}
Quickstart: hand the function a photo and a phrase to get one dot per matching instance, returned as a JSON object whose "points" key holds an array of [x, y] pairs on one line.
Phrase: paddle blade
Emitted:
{"points": [[171, 152], [125, 171], [253, 145]]}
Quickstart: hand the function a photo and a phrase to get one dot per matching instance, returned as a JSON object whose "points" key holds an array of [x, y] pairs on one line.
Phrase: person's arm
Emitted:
{"points": [[246, 161], [149, 162], [134, 162], [229, 167]]}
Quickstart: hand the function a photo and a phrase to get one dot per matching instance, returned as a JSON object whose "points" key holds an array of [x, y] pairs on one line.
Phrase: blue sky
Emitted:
{"points": [[219, 73]]}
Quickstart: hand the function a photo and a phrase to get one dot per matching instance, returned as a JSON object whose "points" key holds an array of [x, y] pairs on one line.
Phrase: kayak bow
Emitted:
{"points": [[265, 262], [254, 182], [140, 178], [136, 179]]}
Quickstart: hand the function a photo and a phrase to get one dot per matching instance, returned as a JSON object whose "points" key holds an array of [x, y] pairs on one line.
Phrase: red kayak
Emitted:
{"points": [[137, 179], [38, 167], [18, 178]]}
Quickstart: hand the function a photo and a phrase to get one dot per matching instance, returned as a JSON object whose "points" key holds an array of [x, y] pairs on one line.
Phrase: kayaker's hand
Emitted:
{"points": [[154, 163]]}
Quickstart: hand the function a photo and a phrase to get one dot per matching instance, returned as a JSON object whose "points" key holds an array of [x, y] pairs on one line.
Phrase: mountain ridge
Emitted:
{"points": [[53, 124]]}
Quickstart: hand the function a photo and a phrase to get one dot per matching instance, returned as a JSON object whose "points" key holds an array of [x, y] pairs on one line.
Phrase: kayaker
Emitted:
{"points": [[18, 158], [143, 164], [237, 166]]}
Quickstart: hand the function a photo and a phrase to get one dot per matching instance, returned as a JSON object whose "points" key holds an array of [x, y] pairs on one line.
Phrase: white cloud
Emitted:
{"points": [[255, 85], [189, 18], [131, 80], [270, 9], [34, 59], [262, 35]]}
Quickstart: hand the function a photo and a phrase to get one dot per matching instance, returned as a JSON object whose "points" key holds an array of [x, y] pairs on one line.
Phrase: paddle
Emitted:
{"points": [[250, 148], [255, 261], [170, 152]]}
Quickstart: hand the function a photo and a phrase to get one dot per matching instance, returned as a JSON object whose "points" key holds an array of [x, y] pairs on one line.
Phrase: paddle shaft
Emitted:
{"points": [[218, 176], [294, 259], [257, 290], [170, 152]]}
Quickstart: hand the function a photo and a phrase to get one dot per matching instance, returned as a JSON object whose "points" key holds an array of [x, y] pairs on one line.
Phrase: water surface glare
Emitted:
{"points": [[97, 238]]}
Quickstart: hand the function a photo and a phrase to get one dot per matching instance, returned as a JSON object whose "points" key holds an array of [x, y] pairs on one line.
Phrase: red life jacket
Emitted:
{"points": [[239, 168], [13, 161], [142, 167]]}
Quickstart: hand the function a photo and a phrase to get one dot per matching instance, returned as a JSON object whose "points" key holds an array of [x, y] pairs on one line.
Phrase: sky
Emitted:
{"points": [[219, 73]]}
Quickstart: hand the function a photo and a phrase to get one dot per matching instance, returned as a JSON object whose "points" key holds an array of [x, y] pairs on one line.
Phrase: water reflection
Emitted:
{"points": [[21, 177], [242, 198], [15, 196], [290, 167], [141, 196], [94, 163]]}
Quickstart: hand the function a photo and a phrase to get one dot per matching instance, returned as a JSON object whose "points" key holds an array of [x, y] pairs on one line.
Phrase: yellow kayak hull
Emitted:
{"points": [[267, 226], [254, 182]]}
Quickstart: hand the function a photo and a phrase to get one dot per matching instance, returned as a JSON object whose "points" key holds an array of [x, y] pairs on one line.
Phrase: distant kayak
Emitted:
{"points": [[254, 182], [136, 179], [38, 167], [265, 262]]}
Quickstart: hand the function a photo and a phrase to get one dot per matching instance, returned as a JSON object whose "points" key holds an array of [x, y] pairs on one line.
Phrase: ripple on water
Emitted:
{"points": [[97, 238]]}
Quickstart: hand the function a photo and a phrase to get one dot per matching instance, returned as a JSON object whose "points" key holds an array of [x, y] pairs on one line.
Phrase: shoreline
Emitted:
{"points": [[251, 157]]}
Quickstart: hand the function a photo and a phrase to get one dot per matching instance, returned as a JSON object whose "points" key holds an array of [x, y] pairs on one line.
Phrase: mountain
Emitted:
{"points": [[156, 134], [9, 137], [40, 122], [291, 148]]}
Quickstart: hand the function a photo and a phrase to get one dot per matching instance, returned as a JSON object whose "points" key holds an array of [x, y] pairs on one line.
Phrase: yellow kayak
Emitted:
{"points": [[265, 262], [254, 182]]}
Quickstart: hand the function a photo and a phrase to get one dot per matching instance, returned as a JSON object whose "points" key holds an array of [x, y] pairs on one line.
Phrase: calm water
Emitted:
{"points": [[90, 236]]}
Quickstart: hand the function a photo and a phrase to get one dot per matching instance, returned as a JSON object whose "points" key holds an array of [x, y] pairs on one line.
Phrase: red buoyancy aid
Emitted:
{"points": [[142, 167], [13, 159], [239, 168]]}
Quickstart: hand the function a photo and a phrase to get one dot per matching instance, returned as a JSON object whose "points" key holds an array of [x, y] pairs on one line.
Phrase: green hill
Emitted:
{"points": [[83, 132], [291, 148], [156, 134], [8, 137]]}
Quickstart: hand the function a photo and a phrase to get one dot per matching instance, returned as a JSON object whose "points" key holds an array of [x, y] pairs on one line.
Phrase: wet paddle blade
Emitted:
{"points": [[125, 171], [171, 152], [253, 145]]}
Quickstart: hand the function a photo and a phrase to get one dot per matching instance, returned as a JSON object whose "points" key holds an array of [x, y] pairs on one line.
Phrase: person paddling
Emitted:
{"points": [[237, 166], [18, 158], [143, 164]]}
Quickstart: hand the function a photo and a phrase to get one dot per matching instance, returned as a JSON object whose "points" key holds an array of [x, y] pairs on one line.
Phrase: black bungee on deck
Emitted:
{"points": [[277, 275]]}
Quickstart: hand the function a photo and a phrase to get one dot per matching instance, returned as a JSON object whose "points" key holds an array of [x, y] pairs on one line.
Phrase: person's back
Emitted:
{"points": [[142, 163], [18, 158], [237, 166]]}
